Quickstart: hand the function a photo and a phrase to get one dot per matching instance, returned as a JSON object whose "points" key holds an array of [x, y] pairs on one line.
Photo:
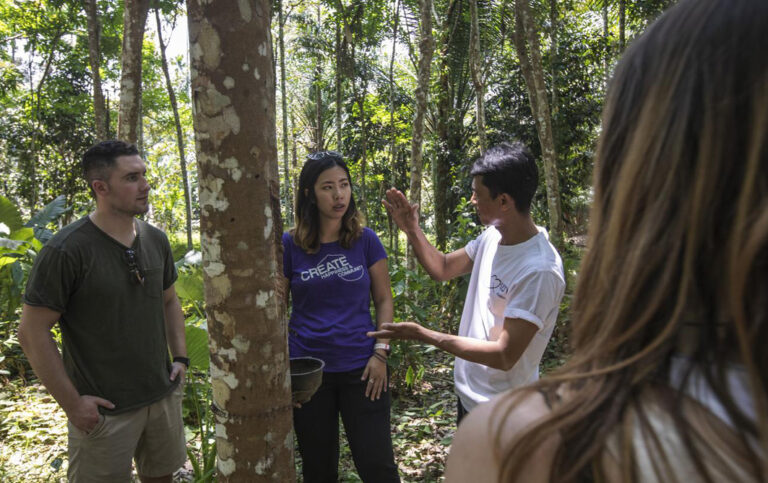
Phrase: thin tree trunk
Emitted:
{"points": [[533, 72], [294, 156], [364, 141], [31, 171], [339, 80], [553, 56], [179, 135], [475, 61], [606, 41], [445, 126], [622, 24], [134, 19], [234, 114], [426, 51], [392, 130], [284, 101], [319, 141], [94, 56]]}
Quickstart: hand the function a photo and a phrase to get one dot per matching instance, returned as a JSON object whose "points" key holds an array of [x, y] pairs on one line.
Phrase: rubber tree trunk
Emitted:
{"points": [[533, 72], [134, 19], [426, 51], [94, 57], [233, 87]]}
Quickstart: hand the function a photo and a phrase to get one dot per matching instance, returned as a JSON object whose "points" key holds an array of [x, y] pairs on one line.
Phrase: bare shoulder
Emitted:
{"points": [[487, 431]]}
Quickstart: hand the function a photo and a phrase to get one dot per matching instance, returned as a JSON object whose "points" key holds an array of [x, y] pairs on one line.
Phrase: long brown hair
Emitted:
{"points": [[306, 233], [677, 259]]}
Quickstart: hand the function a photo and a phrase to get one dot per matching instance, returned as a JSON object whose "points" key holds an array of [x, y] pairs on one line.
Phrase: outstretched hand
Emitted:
{"points": [[399, 330], [405, 214]]}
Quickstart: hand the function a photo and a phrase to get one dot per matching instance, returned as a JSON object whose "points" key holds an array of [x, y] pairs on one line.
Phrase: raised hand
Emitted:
{"points": [[405, 214]]}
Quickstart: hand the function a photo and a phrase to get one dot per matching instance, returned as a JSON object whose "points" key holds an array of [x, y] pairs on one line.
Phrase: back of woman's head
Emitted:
{"points": [[678, 253], [679, 227], [306, 232]]}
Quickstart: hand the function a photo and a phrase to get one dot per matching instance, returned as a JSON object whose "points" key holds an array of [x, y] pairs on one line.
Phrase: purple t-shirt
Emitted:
{"points": [[331, 294]]}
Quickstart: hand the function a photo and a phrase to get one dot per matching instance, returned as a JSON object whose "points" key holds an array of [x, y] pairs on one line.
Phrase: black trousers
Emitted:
{"points": [[366, 423], [461, 411]]}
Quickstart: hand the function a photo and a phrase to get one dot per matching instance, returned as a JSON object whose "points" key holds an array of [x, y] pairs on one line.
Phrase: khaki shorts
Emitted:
{"points": [[153, 435]]}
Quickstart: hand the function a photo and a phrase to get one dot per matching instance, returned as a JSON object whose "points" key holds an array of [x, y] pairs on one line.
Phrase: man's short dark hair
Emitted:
{"points": [[509, 168], [101, 157]]}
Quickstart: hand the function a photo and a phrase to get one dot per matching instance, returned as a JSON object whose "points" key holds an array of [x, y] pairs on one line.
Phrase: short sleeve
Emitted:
{"points": [[287, 265], [534, 297], [471, 248], [51, 281], [374, 249], [169, 267]]}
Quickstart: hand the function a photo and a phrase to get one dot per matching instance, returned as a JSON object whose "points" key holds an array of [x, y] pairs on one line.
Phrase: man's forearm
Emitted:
{"points": [[174, 328], [44, 357], [488, 353], [432, 259]]}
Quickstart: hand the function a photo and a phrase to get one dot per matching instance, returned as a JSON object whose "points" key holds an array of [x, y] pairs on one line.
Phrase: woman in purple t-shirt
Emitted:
{"points": [[334, 267]]}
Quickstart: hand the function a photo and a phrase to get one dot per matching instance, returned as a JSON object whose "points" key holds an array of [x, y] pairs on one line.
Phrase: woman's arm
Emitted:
{"points": [[381, 294]]}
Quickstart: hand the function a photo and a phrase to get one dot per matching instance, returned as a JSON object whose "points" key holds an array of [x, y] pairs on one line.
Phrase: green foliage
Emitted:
{"points": [[19, 245], [200, 426]]}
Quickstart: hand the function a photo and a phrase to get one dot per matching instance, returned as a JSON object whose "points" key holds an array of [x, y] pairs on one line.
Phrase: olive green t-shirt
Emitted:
{"points": [[112, 326]]}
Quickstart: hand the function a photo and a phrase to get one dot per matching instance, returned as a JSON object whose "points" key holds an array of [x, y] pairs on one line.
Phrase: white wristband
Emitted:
{"points": [[381, 346]]}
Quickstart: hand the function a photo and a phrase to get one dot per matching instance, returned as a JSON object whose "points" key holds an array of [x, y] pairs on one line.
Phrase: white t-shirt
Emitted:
{"points": [[523, 281]]}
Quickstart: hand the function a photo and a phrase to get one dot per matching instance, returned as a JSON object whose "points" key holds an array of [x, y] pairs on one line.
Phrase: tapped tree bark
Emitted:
{"points": [[134, 19], [94, 57], [533, 72], [179, 135], [234, 112]]}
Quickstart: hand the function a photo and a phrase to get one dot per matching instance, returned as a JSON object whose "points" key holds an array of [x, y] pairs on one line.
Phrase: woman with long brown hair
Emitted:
{"points": [[668, 376]]}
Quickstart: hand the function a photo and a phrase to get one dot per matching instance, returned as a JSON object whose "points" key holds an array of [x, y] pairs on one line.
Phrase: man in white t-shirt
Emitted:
{"points": [[515, 288]]}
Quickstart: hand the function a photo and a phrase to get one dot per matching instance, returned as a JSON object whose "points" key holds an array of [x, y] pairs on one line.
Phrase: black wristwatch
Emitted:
{"points": [[183, 360]]}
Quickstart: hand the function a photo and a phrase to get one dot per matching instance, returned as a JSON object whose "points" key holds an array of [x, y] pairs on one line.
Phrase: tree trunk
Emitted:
{"points": [[622, 24], [392, 129], [533, 72], [553, 57], [134, 18], [476, 68], [179, 135], [283, 99], [319, 135], [233, 91], [363, 201], [426, 51], [606, 41], [94, 56], [339, 80]]}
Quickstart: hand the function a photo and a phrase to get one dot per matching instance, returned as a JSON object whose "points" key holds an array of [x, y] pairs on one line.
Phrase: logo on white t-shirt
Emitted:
{"points": [[497, 286], [332, 265]]}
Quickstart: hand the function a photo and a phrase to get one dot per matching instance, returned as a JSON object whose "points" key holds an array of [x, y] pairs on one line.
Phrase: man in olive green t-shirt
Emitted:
{"points": [[107, 279]]}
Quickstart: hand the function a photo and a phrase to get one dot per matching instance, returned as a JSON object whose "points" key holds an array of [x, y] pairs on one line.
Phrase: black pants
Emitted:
{"points": [[461, 411], [366, 423]]}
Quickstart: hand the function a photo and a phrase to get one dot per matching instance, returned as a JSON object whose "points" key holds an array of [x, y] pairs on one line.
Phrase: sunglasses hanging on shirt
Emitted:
{"points": [[133, 266]]}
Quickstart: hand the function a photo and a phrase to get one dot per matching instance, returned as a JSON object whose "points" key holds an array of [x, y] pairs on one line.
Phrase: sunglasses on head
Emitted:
{"points": [[133, 266], [318, 155]]}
